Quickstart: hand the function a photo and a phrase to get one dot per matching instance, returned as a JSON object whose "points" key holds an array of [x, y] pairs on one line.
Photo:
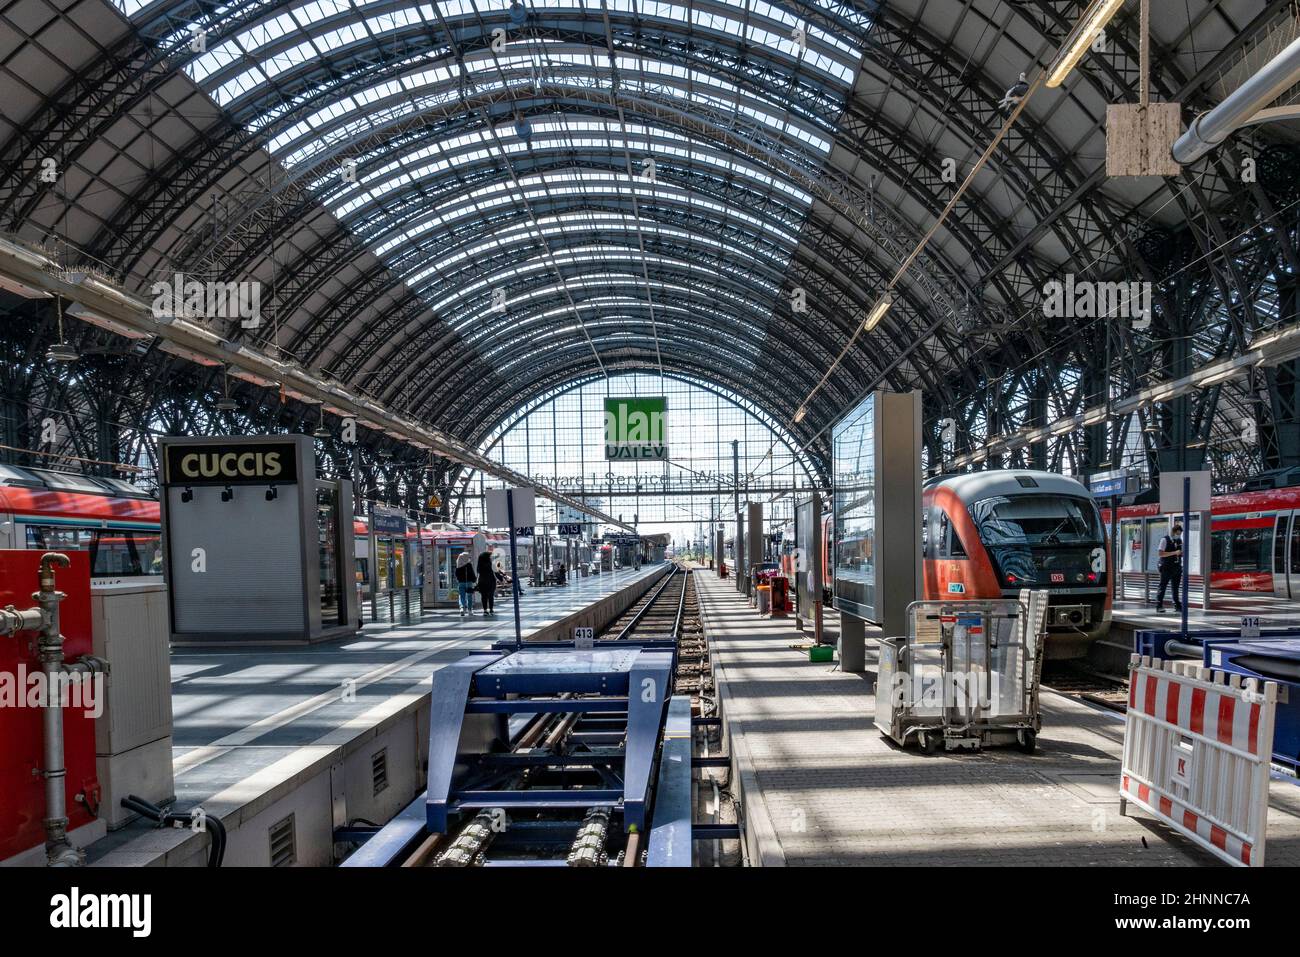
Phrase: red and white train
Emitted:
{"points": [[1254, 544], [112, 520], [990, 534]]}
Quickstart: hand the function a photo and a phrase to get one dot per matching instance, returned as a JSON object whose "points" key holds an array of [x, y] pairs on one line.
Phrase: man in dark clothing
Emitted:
{"points": [[1171, 567], [487, 582]]}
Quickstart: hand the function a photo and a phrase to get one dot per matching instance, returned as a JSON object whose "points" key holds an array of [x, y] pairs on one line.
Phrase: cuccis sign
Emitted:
{"points": [[232, 464]]}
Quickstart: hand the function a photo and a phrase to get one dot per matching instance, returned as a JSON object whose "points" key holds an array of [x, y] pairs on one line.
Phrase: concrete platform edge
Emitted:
{"points": [[758, 835]]}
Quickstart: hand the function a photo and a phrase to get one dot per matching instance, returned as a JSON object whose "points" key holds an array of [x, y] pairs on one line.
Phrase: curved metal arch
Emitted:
{"points": [[792, 340], [557, 23], [770, 400], [878, 228], [672, 304], [865, 303], [332, 131], [342, 319], [382, 336], [742, 61], [585, 160], [553, 173], [792, 344], [488, 439]]}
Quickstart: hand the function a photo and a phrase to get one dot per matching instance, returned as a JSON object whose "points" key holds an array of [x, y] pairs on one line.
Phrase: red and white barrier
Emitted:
{"points": [[1197, 746]]}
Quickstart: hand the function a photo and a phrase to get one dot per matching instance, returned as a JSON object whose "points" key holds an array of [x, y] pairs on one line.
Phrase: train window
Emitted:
{"points": [[1248, 552], [955, 549], [1221, 551], [925, 533], [1279, 546], [113, 553], [1037, 520]]}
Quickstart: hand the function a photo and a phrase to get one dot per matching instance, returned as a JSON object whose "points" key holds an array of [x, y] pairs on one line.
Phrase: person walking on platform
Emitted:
{"points": [[465, 583], [1171, 567], [487, 582]]}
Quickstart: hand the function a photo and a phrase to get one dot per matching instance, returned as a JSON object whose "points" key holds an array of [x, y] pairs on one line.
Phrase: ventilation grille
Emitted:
{"points": [[284, 853], [1026, 481], [379, 770]]}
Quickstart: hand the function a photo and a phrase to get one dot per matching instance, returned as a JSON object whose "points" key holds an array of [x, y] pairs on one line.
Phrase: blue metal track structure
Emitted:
{"points": [[626, 750]]}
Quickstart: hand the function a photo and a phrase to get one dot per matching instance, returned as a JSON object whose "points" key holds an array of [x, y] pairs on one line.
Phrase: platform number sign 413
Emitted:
{"points": [[584, 637], [1250, 626]]}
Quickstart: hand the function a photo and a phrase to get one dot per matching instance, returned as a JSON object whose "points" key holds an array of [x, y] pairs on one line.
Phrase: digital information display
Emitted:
{"points": [[876, 564]]}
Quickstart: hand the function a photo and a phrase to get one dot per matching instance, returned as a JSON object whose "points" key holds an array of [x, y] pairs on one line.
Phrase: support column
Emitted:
{"points": [[852, 644]]}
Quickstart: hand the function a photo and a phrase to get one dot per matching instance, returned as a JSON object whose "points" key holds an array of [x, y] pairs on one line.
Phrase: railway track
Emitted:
{"points": [[572, 750], [1073, 681], [671, 611]]}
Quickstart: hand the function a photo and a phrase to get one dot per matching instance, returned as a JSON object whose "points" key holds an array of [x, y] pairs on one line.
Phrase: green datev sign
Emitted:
{"points": [[636, 428]]}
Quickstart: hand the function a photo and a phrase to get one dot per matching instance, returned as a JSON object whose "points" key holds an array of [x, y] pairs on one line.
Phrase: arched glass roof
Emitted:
{"points": [[461, 204]]}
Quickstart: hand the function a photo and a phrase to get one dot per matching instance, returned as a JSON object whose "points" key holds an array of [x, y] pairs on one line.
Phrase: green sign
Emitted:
{"points": [[636, 428]]}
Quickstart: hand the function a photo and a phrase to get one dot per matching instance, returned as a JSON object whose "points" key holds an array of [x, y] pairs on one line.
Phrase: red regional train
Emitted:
{"points": [[114, 521], [990, 534], [1254, 544]]}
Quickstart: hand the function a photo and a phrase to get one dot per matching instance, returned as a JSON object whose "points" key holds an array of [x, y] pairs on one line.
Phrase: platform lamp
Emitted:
{"points": [[61, 352], [226, 403], [1093, 21]]}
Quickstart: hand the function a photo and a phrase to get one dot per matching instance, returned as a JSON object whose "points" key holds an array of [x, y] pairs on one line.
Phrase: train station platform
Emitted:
{"points": [[329, 735], [1226, 611], [820, 785]]}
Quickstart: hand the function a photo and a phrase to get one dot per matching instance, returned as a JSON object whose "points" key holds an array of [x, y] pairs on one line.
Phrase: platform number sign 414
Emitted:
{"points": [[1250, 626]]}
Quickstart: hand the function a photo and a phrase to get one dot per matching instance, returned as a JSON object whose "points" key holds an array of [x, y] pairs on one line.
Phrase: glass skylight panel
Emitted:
{"points": [[430, 242]]}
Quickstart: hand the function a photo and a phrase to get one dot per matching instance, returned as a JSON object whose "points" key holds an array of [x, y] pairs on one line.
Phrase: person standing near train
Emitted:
{"points": [[1171, 567], [487, 582], [465, 583]]}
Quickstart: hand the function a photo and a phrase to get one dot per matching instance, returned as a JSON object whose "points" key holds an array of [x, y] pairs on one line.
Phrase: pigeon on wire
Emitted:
{"points": [[1015, 94]]}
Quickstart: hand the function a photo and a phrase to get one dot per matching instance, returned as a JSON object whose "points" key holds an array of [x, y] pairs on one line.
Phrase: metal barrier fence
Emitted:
{"points": [[1197, 745]]}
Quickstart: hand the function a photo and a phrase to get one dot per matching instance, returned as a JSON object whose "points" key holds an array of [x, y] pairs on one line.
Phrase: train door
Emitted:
{"points": [[1286, 556]]}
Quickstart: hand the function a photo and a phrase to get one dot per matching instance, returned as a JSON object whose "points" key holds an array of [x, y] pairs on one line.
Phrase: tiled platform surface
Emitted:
{"points": [[825, 787], [249, 721], [1226, 612]]}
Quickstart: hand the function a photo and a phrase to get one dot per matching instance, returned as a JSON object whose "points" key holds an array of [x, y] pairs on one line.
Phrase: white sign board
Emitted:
{"points": [[584, 637], [525, 502], [1250, 626], [1171, 491], [1180, 764]]}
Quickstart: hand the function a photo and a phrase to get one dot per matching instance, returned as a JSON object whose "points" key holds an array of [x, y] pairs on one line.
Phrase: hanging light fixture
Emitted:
{"points": [[1092, 22], [62, 351], [226, 403]]}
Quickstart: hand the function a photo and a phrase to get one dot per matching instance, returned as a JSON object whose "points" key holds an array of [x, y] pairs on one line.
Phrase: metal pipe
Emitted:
{"points": [[1210, 129], [59, 851], [13, 621], [1183, 649]]}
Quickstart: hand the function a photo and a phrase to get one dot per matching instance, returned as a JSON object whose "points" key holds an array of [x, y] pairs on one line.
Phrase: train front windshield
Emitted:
{"points": [[1041, 539]]}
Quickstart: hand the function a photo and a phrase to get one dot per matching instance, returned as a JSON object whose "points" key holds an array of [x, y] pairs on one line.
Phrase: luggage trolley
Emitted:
{"points": [[965, 676]]}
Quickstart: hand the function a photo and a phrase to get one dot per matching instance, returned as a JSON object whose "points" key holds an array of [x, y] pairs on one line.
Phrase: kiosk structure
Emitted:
{"points": [[256, 548], [877, 508]]}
